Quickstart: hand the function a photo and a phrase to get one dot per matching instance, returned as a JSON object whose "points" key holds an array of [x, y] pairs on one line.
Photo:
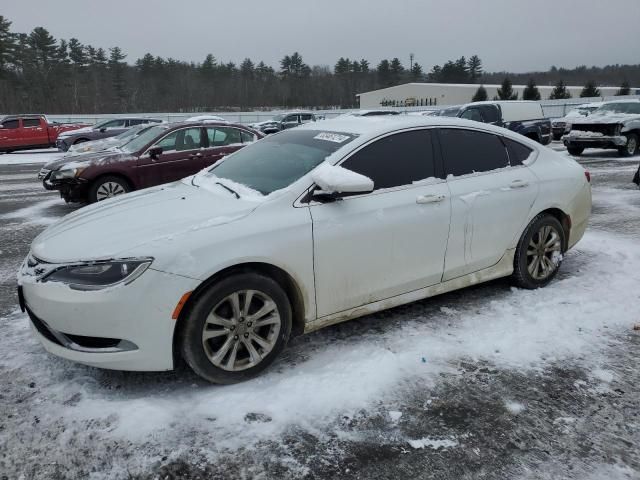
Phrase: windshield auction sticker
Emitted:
{"points": [[331, 137]]}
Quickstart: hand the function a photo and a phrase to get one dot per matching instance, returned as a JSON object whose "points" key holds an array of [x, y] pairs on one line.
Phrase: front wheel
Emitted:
{"points": [[631, 147], [539, 252], [236, 328], [108, 187], [576, 151]]}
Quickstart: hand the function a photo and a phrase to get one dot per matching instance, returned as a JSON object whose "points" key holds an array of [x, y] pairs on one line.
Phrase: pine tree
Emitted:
{"points": [[117, 72], [474, 68], [480, 95], [416, 72], [590, 90], [559, 92], [624, 89], [43, 47], [531, 92], [505, 92], [397, 71], [384, 73], [7, 44]]}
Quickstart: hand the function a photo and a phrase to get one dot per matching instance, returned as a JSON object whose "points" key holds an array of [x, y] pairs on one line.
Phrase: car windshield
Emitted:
{"points": [[450, 112], [277, 161], [101, 124], [621, 107], [144, 138], [278, 118]]}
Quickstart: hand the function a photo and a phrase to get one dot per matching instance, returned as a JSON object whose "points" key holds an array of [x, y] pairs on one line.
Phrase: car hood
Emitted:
{"points": [[68, 133], [87, 159], [266, 122], [605, 119], [111, 228]]}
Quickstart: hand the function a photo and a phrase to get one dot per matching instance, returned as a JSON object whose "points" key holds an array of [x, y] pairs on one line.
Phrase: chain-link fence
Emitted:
{"points": [[551, 109]]}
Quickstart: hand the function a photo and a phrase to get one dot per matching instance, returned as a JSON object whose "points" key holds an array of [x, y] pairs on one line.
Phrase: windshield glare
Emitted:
{"points": [[277, 161], [626, 107], [143, 139], [450, 112]]}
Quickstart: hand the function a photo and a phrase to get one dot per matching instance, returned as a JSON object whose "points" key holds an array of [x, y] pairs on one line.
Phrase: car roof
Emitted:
{"points": [[379, 125], [204, 123]]}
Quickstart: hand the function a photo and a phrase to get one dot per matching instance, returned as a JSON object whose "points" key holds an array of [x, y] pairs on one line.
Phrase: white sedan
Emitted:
{"points": [[303, 229]]}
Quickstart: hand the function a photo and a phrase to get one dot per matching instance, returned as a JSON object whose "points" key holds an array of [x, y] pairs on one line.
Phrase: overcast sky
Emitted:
{"points": [[506, 34]]}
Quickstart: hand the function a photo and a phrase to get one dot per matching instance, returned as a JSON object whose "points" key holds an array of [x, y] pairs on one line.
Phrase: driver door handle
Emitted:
{"points": [[424, 199], [519, 184], [195, 155]]}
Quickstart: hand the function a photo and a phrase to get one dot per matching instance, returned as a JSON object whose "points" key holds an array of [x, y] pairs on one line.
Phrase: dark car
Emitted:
{"points": [[283, 121], [163, 153], [523, 117], [104, 129]]}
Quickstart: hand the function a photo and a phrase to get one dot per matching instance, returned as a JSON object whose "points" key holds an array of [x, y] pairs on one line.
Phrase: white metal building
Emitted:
{"points": [[428, 94]]}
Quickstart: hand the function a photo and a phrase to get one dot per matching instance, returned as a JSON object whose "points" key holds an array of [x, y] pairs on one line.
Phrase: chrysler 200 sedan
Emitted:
{"points": [[303, 229]]}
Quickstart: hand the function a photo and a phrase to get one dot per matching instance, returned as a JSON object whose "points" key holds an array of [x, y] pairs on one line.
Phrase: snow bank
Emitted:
{"points": [[30, 157]]}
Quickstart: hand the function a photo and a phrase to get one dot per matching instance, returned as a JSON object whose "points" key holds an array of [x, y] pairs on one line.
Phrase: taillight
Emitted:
{"points": [[588, 175]]}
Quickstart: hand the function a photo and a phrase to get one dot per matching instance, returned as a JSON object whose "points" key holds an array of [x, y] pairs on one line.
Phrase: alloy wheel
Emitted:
{"points": [[632, 145], [108, 190], [544, 252], [241, 330]]}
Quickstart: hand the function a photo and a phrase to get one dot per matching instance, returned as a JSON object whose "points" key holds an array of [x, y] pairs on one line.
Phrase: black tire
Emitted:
{"points": [[522, 277], [557, 136], [192, 327], [109, 183], [576, 151], [631, 148]]}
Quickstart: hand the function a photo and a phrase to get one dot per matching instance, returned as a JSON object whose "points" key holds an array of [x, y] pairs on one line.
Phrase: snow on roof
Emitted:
{"points": [[369, 127]]}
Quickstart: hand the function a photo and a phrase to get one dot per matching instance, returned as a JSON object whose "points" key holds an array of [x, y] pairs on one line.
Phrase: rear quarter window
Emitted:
{"points": [[518, 152]]}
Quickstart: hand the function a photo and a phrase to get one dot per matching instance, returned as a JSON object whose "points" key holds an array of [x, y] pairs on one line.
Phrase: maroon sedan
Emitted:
{"points": [[162, 154]]}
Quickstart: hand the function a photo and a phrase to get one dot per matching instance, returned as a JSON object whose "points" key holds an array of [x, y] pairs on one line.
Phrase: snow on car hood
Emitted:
{"points": [[68, 133], [111, 228], [602, 118], [88, 158]]}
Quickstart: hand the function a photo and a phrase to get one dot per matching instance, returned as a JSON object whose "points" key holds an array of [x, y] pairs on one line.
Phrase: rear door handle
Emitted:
{"points": [[195, 155], [424, 199], [519, 184]]}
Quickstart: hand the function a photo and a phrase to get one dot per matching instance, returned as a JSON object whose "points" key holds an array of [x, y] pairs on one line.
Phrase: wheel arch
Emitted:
{"points": [[116, 173], [282, 277], [565, 221]]}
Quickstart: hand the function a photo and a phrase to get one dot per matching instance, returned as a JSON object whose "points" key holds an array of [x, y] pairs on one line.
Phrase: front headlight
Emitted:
{"points": [[66, 174], [99, 275]]}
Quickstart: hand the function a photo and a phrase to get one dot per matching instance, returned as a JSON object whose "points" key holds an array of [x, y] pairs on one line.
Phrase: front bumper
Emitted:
{"points": [[110, 328], [72, 189], [604, 141]]}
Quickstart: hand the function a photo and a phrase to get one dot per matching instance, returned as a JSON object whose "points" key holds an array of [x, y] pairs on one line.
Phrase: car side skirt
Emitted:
{"points": [[503, 268]]}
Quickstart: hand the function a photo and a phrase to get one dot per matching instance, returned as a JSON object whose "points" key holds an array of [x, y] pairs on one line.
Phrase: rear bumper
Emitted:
{"points": [[595, 142]]}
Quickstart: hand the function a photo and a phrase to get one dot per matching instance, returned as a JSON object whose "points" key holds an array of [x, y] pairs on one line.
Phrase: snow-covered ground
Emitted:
{"points": [[488, 382], [30, 157]]}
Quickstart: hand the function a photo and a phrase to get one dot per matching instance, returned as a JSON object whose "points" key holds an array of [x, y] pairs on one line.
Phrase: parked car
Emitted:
{"points": [[106, 143], [523, 117], [615, 125], [560, 126], [428, 113], [283, 121], [163, 153], [104, 129], [303, 229], [23, 132]]}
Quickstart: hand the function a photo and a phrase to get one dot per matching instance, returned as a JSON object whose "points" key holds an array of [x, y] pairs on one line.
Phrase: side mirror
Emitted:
{"points": [[155, 152], [103, 129], [334, 181]]}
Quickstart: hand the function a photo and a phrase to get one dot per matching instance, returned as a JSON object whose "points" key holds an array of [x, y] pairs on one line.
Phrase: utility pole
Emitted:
{"points": [[411, 62]]}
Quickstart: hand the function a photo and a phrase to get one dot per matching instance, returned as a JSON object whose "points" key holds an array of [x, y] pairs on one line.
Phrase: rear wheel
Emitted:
{"points": [[539, 252], [577, 151], [631, 148], [236, 328], [108, 187]]}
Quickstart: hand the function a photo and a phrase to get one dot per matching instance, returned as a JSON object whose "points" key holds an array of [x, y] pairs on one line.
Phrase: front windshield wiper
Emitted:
{"points": [[228, 188]]}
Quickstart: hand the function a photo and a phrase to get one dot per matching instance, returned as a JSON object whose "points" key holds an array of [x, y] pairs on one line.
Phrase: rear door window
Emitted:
{"points": [[247, 137], [472, 114], [30, 122], [395, 160], [181, 140], [223, 136], [469, 151]]}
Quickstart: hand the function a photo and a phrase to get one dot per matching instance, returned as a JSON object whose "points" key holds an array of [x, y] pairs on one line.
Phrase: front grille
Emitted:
{"points": [[604, 129]]}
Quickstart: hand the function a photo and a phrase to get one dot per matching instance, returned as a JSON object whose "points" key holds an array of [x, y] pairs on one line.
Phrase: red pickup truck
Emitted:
{"points": [[21, 132]]}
